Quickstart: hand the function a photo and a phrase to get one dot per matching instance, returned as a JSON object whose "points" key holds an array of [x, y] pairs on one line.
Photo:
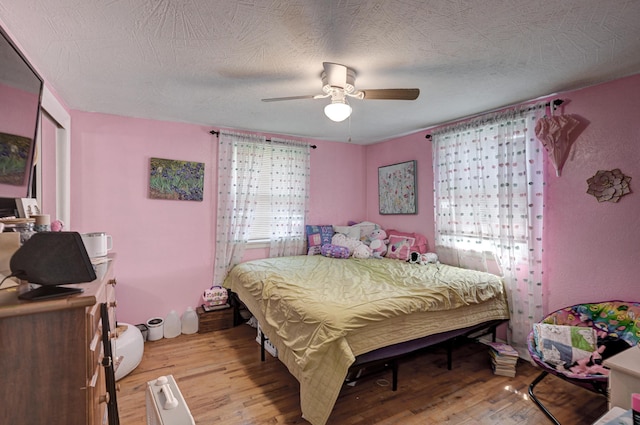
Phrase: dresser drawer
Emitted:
{"points": [[97, 395]]}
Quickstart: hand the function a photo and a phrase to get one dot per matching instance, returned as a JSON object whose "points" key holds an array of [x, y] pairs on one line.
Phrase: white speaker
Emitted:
{"points": [[165, 404]]}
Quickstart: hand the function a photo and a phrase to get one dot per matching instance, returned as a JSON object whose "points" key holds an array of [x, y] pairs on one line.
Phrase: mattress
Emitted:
{"points": [[320, 313]]}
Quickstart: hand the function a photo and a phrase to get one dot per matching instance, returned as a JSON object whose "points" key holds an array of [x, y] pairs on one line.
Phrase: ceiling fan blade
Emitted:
{"points": [[391, 94], [277, 99]]}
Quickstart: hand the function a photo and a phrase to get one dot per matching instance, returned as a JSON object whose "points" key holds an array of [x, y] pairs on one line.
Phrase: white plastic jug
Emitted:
{"points": [[172, 326], [189, 321]]}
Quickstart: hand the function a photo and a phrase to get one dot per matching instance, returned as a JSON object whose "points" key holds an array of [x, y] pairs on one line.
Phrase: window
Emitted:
{"points": [[488, 196], [260, 228], [263, 191]]}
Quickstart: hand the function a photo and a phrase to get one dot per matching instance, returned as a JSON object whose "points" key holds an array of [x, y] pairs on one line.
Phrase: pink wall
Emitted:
{"points": [[164, 249], [592, 250], [407, 148]]}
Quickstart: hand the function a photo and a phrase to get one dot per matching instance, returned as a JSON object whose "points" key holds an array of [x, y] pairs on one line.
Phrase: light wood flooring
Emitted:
{"points": [[223, 381]]}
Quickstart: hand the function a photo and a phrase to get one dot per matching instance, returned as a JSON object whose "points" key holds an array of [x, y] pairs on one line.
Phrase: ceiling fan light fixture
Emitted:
{"points": [[337, 110]]}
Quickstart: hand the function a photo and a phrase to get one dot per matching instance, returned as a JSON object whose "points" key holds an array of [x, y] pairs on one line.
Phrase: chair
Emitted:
{"points": [[619, 319]]}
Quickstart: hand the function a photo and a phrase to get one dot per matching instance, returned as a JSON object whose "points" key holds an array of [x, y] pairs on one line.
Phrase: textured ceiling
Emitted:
{"points": [[211, 61]]}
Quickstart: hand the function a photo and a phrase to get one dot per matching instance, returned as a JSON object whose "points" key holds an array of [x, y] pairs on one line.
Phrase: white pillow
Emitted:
{"points": [[366, 227], [350, 231]]}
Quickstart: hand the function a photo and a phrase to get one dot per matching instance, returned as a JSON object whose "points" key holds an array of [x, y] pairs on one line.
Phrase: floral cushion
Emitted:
{"points": [[616, 318], [612, 320], [561, 345]]}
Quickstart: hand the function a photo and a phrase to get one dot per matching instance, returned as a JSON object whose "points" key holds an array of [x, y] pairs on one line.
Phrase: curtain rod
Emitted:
{"points": [[216, 133], [555, 102]]}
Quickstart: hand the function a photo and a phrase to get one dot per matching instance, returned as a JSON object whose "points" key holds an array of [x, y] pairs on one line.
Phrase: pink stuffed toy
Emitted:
{"points": [[591, 365], [378, 243]]}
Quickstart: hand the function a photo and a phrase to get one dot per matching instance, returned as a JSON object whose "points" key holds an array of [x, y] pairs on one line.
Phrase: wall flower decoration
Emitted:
{"points": [[609, 185]]}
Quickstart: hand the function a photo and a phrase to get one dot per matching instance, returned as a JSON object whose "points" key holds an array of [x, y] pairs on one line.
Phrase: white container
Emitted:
{"points": [[156, 329], [128, 346], [97, 244], [172, 325], [189, 321]]}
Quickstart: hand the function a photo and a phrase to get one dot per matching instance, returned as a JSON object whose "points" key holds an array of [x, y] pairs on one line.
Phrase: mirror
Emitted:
{"points": [[20, 97]]}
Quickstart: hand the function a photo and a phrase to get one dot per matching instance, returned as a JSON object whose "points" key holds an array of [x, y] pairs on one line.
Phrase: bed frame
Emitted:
{"points": [[390, 355]]}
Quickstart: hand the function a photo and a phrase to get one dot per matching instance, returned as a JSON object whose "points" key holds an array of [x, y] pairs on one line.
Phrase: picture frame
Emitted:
{"points": [[27, 207], [397, 184], [175, 179]]}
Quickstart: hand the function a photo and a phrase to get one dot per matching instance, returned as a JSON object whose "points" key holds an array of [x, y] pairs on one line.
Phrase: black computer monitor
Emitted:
{"points": [[51, 259]]}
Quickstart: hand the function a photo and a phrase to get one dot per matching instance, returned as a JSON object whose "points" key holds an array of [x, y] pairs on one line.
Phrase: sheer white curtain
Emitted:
{"points": [[239, 160], [489, 197], [289, 196]]}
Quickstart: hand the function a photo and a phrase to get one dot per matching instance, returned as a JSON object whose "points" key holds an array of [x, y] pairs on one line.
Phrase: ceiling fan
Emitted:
{"points": [[338, 83]]}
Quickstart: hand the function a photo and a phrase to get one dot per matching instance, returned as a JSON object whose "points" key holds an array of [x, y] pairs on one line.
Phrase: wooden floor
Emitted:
{"points": [[224, 382]]}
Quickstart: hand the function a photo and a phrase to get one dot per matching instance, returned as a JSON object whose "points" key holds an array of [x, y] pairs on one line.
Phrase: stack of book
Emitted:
{"points": [[208, 307], [503, 358]]}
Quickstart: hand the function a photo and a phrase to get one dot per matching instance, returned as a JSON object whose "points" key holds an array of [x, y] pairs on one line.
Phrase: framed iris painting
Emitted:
{"points": [[173, 179], [397, 188]]}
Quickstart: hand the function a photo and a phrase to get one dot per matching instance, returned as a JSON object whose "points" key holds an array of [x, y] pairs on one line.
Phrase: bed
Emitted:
{"points": [[322, 313]]}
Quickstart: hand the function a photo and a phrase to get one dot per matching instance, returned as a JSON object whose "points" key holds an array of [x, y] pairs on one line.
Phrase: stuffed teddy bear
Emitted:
{"points": [[378, 243]]}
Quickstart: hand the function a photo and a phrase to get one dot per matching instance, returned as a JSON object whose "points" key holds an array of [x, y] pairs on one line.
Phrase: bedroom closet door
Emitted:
{"points": [[52, 172]]}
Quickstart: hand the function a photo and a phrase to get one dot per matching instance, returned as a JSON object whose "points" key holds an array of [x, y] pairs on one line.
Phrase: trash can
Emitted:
{"points": [[156, 328], [144, 330]]}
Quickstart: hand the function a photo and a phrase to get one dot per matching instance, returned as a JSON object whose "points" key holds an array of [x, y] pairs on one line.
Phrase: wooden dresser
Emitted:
{"points": [[51, 353]]}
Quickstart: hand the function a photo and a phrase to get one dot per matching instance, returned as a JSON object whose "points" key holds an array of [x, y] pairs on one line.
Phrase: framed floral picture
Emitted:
{"points": [[397, 188], [173, 179]]}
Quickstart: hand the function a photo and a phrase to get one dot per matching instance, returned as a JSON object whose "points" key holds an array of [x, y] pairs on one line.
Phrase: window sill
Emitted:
{"points": [[258, 243]]}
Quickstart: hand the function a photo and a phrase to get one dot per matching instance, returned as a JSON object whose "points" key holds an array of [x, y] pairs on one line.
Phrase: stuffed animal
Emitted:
{"points": [[378, 243], [362, 251], [352, 244], [416, 258], [429, 257], [335, 251], [591, 365]]}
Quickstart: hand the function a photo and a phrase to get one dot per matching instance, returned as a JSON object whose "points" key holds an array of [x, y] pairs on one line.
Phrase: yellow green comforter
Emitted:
{"points": [[321, 312]]}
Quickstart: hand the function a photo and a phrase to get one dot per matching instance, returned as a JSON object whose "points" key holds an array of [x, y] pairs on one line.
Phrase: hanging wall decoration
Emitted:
{"points": [[557, 133], [397, 188], [172, 179], [609, 185]]}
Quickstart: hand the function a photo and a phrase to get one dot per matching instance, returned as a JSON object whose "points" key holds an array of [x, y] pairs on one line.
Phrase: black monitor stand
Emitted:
{"points": [[46, 292]]}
